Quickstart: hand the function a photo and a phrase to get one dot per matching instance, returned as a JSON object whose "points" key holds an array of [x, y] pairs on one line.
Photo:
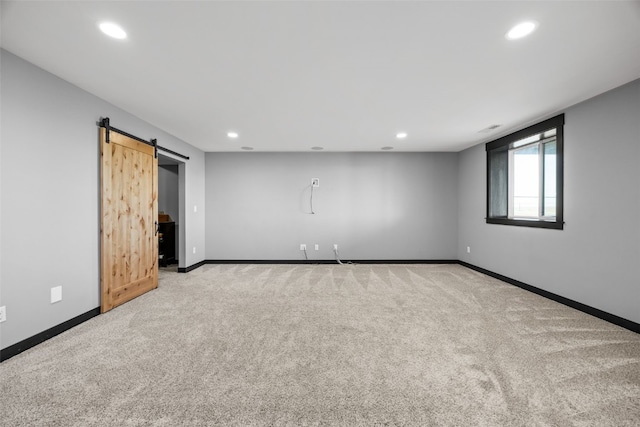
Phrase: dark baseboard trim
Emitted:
{"points": [[404, 261], [23, 345], [331, 261], [191, 267], [269, 261], [611, 318]]}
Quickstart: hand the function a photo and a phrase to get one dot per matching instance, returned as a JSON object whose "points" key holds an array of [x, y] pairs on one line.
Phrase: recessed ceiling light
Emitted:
{"points": [[317, 148], [232, 135], [387, 148], [247, 148], [523, 29], [401, 135], [113, 30]]}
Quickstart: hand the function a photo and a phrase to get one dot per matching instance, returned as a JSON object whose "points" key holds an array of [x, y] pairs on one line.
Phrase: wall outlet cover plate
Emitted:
{"points": [[56, 294]]}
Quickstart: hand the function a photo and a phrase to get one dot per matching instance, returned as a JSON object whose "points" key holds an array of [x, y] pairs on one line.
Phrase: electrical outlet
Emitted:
{"points": [[303, 247], [56, 294], [468, 249], [195, 208], [335, 246], [315, 182], [317, 247], [194, 249], [3, 313]]}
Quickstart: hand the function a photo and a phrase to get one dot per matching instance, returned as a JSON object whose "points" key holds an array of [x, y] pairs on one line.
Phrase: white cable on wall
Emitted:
{"points": [[311, 201], [315, 182]]}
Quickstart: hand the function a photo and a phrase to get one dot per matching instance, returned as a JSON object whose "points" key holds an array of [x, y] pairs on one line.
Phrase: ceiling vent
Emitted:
{"points": [[489, 129]]}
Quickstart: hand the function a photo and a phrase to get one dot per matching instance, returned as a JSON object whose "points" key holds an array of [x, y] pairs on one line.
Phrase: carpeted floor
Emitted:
{"points": [[416, 345]]}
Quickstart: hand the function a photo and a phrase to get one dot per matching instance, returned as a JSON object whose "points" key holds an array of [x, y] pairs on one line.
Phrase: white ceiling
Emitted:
{"points": [[346, 76]]}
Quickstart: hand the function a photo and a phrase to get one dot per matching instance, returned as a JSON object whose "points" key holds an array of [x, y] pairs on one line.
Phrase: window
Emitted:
{"points": [[524, 176]]}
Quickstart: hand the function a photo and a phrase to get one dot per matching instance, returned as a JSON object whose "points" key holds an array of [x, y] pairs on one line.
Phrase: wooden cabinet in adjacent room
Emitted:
{"points": [[167, 243]]}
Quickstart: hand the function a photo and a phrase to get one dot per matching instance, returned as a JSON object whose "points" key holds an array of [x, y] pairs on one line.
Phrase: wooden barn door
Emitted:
{"points": [[129, 246]]}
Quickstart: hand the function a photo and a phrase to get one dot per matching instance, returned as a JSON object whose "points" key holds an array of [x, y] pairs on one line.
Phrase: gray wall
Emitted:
{"points": [[373, 205], [50, 196], [595, 260]]}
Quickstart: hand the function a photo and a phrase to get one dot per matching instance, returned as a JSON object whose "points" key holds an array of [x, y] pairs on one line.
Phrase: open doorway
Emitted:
{"points": [[170, 211]]}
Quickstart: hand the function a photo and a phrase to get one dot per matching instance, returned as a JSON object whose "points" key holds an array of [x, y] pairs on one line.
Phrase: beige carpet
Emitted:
{"points": [[418, 345]]}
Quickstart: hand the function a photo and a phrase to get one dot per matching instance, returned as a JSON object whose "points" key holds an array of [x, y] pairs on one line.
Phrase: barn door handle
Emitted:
{"points": [[157, 228]]}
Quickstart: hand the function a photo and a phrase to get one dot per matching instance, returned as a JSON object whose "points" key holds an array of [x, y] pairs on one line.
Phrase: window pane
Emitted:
{"points": [[526, 182], [498, 179], [550, 179], [525, 141]]}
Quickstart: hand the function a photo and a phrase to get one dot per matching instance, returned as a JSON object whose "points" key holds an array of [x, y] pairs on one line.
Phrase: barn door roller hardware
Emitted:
{"points": [[154, 142], [104, 123]]}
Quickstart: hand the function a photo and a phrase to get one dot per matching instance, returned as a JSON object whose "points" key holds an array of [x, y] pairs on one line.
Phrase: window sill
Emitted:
{"points": [[535, 223]]}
